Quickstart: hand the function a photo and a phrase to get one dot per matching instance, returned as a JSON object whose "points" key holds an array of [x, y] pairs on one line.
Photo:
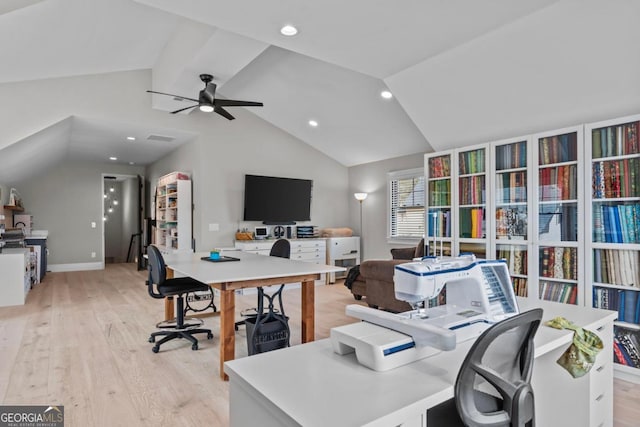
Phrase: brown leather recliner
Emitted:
{"points": [[378, 279]]}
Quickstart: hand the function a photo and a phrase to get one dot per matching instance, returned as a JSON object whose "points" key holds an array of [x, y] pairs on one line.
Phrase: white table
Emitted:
{"points": [[309, 385], [250, 272]]}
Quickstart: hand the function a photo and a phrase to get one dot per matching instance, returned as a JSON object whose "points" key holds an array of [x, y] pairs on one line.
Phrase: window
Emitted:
{"points": [[406, 207]]}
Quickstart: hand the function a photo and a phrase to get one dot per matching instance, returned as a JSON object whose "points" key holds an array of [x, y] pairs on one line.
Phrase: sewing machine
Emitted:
{"points": [[478, 294]]}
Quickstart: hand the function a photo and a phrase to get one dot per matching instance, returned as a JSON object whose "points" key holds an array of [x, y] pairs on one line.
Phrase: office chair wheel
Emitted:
{"points": [[194, 346], [209, 335], [155, 348], [152, 339]]}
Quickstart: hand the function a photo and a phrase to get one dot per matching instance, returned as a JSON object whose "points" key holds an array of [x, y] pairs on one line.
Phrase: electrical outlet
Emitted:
{"points": [[93, 254], [214, 227], [93, 224]]}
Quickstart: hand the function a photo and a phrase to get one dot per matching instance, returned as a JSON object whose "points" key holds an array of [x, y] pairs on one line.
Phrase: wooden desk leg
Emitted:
{"points": [[168, 301], [227, 329], [308, 310]]}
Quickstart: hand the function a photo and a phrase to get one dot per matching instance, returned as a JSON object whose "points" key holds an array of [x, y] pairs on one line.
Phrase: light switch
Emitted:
{"points": [[214, 227], [93, 224]]}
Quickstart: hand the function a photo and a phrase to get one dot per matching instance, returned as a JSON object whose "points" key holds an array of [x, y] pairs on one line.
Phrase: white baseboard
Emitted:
{"points": [[81, 266]]}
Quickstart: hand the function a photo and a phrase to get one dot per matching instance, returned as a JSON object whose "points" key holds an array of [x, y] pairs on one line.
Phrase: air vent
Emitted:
{"points": [[160, 138]]}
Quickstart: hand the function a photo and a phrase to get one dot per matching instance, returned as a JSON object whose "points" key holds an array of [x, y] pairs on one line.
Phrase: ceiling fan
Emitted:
{"points": [[207, 101]]}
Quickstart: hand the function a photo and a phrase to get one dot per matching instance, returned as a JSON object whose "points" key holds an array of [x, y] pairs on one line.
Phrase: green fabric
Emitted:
{"points": [[581, 354]]}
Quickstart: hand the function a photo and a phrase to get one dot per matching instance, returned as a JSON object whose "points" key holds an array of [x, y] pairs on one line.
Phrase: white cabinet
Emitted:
{"points": [[343, 252], [15, 280], [173, 210], [307, 250]]}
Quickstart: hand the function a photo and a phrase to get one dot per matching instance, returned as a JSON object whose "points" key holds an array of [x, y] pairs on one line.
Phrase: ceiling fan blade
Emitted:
{"points": [[233, 103], [175, 96], [224, 113], [182, 109]]}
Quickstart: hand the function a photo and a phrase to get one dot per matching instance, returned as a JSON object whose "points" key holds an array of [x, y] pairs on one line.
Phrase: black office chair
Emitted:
{"points": [[501, 362], [180, 327], [281, 249]]}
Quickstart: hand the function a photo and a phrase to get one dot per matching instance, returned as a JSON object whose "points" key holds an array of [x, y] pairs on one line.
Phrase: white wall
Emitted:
{"points": [[371, 178], [65, 201], [219, 160]]}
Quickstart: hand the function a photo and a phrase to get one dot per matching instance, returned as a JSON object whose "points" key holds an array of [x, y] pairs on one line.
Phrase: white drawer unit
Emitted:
{"points": [[307, 250], [15, 280], [343, 252]]}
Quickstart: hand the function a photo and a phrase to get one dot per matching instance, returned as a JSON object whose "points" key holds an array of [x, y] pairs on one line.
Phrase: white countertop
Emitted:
{"points": [[38, 234]]}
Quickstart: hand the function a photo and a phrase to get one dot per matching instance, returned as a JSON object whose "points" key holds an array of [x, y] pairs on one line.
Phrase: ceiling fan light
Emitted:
{"points": [[386, 94], [206, 108]]}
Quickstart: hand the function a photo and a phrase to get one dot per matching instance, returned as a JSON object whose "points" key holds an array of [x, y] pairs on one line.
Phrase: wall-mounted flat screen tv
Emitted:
{"points": [[275, 200]]}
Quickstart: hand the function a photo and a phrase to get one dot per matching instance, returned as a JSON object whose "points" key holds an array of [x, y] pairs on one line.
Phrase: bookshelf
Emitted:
{"points": [[510, 213], [613, 243], [559, 206], [472, 166], [173, 232], [439, 214]]}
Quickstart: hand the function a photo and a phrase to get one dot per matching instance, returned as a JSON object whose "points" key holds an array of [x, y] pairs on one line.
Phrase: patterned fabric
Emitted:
{"points": [[581, 354]]}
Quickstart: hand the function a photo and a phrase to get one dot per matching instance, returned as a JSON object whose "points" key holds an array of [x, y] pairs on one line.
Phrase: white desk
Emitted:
{"points": [[250, 272], [309, 385]]}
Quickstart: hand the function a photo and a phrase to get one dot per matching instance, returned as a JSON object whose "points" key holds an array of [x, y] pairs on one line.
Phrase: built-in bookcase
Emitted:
{"points": [[173, 210], [510, 192], [614, 227], [559, 206], [471, 204], [439, 215]]}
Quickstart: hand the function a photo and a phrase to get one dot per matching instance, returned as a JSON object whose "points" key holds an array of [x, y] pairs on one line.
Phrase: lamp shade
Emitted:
{"points": [[360, 196]]}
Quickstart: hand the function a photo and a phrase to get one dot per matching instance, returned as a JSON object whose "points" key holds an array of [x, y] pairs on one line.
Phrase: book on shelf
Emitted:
{"points": [[627, 343], [617, 267]]}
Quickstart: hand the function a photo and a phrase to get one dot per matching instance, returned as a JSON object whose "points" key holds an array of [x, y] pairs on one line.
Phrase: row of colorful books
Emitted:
{"points": [[617, 267], [557, 291], [511, 223], [471, 162], [616, 178], [472, 223], [439, 223], [520, 286], [558, 183], [517, 258], [625, 301], [472, 190], [439, 167], [558, 262], [558, 149], [615, 140], [616, 223], [626, 347], [511, 187], [511, 156], [440, 192]]}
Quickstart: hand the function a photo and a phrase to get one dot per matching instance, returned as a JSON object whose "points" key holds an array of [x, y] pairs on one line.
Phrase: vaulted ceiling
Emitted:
{"points": [[462, 72]]}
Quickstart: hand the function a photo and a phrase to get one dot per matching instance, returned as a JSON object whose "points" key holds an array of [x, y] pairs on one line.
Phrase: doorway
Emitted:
{"points": [[122, 218]]}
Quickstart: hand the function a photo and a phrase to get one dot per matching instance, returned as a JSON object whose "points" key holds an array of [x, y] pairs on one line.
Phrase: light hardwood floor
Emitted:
{"points": [[81, 341]]}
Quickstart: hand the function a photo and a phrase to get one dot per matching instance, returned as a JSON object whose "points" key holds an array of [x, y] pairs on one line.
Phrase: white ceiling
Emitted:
{"points": [[462, 71]]}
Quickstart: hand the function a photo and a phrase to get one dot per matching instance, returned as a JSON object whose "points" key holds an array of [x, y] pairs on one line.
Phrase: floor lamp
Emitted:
{"points": [[360, 198]]}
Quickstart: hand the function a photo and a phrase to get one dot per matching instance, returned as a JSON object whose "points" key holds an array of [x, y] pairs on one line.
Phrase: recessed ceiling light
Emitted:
{"points": [[132, 163], [206, 108], [288, 30], [386, 94], [113, 158], [131, 138], [313, 123]]}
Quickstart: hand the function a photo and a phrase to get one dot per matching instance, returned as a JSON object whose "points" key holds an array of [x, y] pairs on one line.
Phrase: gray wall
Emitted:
{"points": [[218, 161], [371, 178], [65, 201]]}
